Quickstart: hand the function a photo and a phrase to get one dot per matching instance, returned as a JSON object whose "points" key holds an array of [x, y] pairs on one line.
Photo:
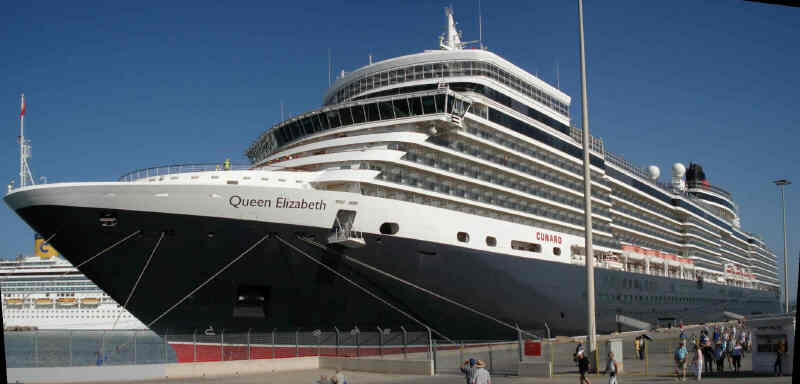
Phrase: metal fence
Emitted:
{"points": [[502, 357], [83, 348]]}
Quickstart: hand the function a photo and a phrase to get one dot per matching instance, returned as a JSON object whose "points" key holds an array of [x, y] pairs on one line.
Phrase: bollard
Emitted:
{"points": [[490, 357], [337, 340], [380, 341], [194, 344], [166, 344], [273, 342], [405, 342]]}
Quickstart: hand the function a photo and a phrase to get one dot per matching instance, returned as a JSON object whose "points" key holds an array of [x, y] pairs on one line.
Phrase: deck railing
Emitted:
{"points": [[180, 168]]}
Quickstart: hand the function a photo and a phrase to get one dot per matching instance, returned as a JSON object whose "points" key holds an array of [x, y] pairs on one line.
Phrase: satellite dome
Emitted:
{"points": [[678, 170], [654, 172]]}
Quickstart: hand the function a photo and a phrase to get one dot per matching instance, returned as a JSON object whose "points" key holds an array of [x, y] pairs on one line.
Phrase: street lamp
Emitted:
{"points": [[780, 183], [591, 337]]}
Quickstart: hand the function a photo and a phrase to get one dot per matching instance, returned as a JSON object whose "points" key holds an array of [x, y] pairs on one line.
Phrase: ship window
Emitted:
{"points": [[387, 111], [389, 228], [323, 121], [463, 237], [333, 119], [344, 114], [401, 107], [491, 241], [557, 251], [525, 246], [372, 112], [358, 114], [440, 101], [416, 106], [428, 105]]}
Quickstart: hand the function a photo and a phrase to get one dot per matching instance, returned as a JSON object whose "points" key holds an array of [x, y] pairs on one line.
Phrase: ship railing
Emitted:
{"points": [[709, 188], [164, 170]]}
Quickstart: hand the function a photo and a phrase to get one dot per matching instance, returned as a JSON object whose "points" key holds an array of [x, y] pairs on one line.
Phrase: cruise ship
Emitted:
{"points": [[44, 291], [441, 189]]}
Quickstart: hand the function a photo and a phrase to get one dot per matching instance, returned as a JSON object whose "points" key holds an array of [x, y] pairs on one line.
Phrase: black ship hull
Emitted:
{"points": [[275, 286]]}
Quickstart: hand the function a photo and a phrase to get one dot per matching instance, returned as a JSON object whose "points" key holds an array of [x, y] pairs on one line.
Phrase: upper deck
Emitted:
{"points": [[445, 65]]}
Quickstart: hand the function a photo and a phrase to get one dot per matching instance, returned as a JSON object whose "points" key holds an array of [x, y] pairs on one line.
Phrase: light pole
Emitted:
{"points": [[587, 200], [780, 183]]}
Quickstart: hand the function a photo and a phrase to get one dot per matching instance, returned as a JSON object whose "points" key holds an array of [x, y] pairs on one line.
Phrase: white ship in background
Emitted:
{"points": [[45, 291]]}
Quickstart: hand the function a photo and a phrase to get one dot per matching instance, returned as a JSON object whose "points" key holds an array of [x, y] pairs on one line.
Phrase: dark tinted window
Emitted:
{"points": [[401, 108], [333, 119], [358, 114], [344, 114], [387, 111], [463, 237], [440, 103], [491, 241], [416, 106], [389, 228], [372, 112], [428, 105], [323, 121]]}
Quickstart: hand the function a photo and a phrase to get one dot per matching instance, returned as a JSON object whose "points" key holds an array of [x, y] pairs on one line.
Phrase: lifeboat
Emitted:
{"points": [[44, 301], [66, 301], [14, 301], [90, 301]]}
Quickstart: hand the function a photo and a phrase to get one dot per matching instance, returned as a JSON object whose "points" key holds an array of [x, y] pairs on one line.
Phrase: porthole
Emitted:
{"points": [[557, 251], [463, 237], [389, 228], [491, 241]]}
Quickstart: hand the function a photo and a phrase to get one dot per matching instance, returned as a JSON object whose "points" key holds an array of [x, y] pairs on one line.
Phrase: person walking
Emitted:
{"points": [[612, 369], [736, 355], [680, 361], [481, 374], [468, 369], [719, 356], [779, 352], [583, 368], [697, 360]]}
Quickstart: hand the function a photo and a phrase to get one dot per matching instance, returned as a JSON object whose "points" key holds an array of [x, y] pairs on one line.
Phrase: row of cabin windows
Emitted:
{"points": [[453, 164], [391, 193], [521, 164], [491, 241], [414, 178]]}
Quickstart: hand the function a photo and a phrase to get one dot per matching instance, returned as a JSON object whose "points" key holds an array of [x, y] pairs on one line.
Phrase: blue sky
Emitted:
{"points": [[113, 87]]}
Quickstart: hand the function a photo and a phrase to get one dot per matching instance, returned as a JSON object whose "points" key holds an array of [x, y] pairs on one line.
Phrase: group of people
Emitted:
{"points": [[475, 372], [712, 347], [612, 368]]}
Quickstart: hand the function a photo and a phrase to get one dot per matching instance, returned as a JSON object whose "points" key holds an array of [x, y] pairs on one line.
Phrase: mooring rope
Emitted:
{"points": [[427, 291], [150, 324], [365, 290]]}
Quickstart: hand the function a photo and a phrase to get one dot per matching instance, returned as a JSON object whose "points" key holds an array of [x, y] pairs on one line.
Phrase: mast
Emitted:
{"points": [[24, 148], [22, 142]]}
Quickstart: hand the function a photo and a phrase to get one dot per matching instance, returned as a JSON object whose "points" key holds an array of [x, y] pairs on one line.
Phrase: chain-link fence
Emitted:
{"points": [[83, 348]]}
